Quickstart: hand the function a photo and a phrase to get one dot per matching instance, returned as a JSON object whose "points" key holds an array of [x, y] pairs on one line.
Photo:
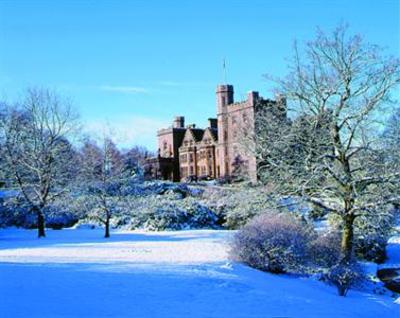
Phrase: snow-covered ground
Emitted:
{"points": [[77, 273], [393, 250]]}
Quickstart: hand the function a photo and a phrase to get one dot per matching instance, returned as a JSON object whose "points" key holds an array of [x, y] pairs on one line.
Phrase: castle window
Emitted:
{"points": [[234, 120], [191, 158], [223, 100], [165, 146], [225, 135], [191, 170], [245, 117]]}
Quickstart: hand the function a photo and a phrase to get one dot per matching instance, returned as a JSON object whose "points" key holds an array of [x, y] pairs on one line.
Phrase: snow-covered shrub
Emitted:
{"points": [[166, 218], [324, 250], [58, 220], [57, 215], [371, 234], [87, 225], [236, 204], [272, 242], [344, 276], [166, 212], [201, 216], [172, 217], [371, 247], [160, 187]]}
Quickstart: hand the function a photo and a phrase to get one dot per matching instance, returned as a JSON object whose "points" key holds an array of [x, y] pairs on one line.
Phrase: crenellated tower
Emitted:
{"points": [[224, 98]]}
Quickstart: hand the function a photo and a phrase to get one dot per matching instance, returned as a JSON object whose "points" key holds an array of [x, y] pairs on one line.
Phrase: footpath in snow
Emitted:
{"points": [[77, 273]]}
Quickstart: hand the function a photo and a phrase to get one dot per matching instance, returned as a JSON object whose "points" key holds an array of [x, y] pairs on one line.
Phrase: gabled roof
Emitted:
{"points": [[194, 133], [198, 133], [212, 132]]}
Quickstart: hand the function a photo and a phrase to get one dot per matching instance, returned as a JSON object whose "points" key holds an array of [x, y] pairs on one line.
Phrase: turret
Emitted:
{"points": [[224, 97], [252, 98]]}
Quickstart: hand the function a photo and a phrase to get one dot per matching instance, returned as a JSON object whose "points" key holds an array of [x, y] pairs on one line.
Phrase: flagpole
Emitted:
{"points": [[224, 70]]}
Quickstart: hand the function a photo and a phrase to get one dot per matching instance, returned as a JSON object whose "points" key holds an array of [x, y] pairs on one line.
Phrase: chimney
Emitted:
{"points": [[252, 98], [191, 126], [179, 122], [212, 122]]}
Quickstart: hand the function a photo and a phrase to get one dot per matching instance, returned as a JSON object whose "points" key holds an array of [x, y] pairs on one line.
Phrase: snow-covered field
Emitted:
{"points": [[77, 273]]}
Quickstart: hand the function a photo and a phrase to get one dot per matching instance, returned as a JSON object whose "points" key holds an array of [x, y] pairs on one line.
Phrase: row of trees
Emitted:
{"points": [[338, 151], [41, 156]]}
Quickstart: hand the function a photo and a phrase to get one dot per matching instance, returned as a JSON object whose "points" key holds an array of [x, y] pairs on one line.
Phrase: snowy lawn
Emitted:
{"points": [[77, 273]]}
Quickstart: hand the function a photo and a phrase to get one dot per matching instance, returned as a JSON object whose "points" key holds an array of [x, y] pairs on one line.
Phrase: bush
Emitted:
{"points": [[163, 212], [236, 204], [344, 276], [166, 218], [56, 217], [324, 251], [275, 243], [371, 247], [170, 217]]}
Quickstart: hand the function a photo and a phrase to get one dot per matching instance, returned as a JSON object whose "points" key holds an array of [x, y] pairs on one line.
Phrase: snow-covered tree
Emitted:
{"points": [[391, 141], [103, 174], [337, 92], [38, 158]]}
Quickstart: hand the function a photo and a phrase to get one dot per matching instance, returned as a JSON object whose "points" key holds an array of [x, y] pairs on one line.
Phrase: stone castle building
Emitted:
{"points": [[190, 153]]}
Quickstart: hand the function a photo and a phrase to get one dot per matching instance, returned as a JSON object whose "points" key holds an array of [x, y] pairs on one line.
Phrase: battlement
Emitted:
{"points": [[224, 88]]}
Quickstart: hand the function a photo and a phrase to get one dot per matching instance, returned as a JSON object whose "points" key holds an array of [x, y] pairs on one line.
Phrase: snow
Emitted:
{"points": [[77, 273], [393, 250]]}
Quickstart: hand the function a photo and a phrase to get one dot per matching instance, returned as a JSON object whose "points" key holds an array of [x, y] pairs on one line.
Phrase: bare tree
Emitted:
{"points": [[103, 174], [330, 155], [135, 158], [391, 144], [38, 155]]}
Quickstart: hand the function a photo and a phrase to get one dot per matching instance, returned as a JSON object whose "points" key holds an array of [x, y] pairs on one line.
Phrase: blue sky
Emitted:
{"points": [[136, 64]]}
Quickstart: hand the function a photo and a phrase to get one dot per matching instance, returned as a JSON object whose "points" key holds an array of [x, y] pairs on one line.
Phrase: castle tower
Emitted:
{"points": [[224, 98]]}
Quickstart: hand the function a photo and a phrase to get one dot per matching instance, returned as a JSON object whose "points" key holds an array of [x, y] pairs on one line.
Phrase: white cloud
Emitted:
{"points": [[125, 89], [128, 131]]}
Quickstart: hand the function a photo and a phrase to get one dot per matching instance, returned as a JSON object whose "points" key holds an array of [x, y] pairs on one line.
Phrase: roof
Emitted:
{"points": [[197, 133], [214, 133]]}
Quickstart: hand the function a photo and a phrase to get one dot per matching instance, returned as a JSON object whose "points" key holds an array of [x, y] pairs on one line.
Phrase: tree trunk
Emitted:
{"points": [[107, 227], [40, 223], [347, 239]]}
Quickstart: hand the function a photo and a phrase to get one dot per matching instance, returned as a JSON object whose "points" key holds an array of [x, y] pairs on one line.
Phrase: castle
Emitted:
{"points": [[190, 153]]}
